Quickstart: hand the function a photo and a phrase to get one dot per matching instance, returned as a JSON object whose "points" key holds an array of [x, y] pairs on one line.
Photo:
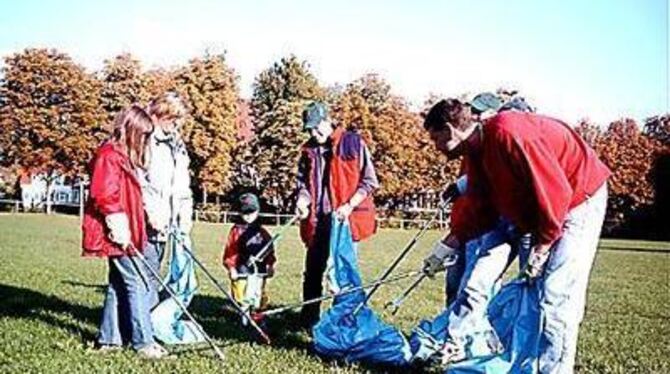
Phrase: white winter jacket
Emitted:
{"points": [[166, 185]]}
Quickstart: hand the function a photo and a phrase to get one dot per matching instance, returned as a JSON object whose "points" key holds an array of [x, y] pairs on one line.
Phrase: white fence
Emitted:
{"points": [[15, 206], [278, 218]]}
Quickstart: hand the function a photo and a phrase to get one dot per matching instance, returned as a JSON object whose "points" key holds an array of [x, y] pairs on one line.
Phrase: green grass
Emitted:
{"points": [[50, 301]]}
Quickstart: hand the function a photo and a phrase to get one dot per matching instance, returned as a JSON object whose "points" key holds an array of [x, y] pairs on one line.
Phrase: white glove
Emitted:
{"points": [[344, 211], [234, 275], [536, 260], [302, 207], [119, 229], [437, 257], [159, 222]]}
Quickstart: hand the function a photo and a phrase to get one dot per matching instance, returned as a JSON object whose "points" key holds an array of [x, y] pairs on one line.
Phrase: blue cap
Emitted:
{"points": [[313, 115], [249, 203], [485, 101]]}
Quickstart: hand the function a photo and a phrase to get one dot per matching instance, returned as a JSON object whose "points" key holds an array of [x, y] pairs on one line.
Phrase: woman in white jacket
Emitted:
{"points": [[166, 191]]}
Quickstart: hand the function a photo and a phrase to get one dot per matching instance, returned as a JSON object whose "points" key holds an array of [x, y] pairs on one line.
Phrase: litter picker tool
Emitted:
{"points": [[398, 301], [410, 245], [267, 248], [240, 310], [174, 297], [341, 293]]}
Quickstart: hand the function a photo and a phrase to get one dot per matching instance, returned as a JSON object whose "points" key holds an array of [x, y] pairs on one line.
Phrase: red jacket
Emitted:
{"points": [[532, 170], [245, 241], [345, 173], [114, 189]]}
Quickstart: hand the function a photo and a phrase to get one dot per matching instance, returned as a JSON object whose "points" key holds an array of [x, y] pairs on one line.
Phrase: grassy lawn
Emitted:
{"points": [[50, 301]]}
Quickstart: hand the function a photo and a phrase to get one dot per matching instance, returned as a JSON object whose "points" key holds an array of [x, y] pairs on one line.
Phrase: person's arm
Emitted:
{"points": [[183, 196], [369, 181], [231, 250], [106, 196], [302, 187], [106, 184], [366, 185], [473, 212], [155, 205]]}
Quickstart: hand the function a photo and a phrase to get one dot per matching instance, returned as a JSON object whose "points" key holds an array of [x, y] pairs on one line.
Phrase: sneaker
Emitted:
{"points": [[153, 351], [107, 348], [452, 352]]}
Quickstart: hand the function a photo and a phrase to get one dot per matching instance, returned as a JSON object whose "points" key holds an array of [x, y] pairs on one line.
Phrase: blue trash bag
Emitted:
{"points": [[168, 326], [363, 337], [514, 316]]}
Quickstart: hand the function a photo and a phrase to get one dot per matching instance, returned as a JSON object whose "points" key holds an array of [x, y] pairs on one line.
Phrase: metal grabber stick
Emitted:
{"points": [[405, 251], [181, 305], [341, 293], [398, 301], [238, 308], [266, 250]]}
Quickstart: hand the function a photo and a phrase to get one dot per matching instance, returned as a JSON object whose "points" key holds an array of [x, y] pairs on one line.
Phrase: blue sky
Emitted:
{"points": [[598, 58]]}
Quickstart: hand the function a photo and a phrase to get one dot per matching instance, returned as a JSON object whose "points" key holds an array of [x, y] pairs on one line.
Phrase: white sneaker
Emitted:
{"points": [[452, 352], [153, 351], [107, 348]]}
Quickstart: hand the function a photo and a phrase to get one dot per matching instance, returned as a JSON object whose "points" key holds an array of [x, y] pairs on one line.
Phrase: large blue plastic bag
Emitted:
{"points": [[362, 337]]}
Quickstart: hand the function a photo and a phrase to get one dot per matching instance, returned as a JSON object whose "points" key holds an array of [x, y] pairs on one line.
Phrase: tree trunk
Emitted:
{"points": [[81, 199], [48, 202], [204, 195]]}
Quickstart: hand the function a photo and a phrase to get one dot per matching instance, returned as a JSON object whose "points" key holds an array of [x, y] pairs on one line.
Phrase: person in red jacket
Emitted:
{"points": [[245, 240], [540, 175], [335, 177], [114, 228]]}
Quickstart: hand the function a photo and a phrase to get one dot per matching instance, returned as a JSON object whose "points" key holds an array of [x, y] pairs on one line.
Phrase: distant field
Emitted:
{"points": [[50, 301]]}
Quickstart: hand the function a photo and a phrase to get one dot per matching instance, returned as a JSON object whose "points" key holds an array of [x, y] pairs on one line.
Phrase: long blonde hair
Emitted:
{"points": [[132, 127]]}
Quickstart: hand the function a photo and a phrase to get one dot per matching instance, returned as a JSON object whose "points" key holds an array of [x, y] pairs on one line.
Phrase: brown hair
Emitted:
{"points": [[132, 127], [168, 106], [451, 111]]}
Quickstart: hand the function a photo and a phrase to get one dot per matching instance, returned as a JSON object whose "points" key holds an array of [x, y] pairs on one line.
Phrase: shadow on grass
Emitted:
{"points": [[19, 302], [223, 323], [284, 329], [100, 288]]}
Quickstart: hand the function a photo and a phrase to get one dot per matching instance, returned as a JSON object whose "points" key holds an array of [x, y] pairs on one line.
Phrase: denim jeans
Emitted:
{"points": [[565, 281], [472, 281], [154, 253], [563, 284], [125, 315]]}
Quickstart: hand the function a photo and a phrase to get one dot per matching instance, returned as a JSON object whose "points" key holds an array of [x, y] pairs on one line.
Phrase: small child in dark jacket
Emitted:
{"points": [[245, 240]]}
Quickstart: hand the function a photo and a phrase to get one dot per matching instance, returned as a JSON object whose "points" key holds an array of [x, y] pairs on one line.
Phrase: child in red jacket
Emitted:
{"points": [[245, 240]]}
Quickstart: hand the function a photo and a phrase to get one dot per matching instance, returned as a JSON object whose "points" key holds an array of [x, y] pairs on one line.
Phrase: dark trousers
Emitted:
{"points": [[316, 261]]}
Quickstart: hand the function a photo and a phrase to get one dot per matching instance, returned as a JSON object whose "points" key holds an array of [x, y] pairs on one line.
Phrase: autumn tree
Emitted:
{"points": [[367, 106], [209, 86], [280, 93], [50, 118], [630, 155], [658, 127], [122, 84], [156, 82]]}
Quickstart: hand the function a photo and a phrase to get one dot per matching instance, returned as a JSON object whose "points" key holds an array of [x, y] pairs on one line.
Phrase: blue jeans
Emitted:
{"points": [[153, 252], [565, 282], [125, 315], [472, 281]]}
